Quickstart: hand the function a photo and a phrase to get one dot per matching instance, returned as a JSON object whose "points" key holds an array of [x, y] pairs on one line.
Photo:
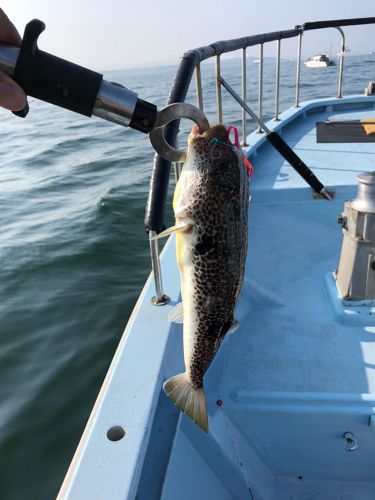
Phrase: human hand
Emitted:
{"points": [[12, 96]]}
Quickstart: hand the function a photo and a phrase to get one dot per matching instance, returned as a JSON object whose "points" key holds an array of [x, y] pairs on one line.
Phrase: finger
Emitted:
{"points": [[12, 96], [8, 32]]}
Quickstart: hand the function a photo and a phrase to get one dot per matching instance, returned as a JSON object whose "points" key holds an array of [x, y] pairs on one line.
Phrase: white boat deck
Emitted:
{"points": [[285, 387]]}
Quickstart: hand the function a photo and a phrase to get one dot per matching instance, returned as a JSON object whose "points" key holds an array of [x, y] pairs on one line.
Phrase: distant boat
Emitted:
{"points": [[319, 61], [256, 61]]}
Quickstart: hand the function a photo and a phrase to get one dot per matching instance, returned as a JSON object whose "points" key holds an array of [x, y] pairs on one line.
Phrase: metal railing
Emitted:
{"points": [[190, 65]]}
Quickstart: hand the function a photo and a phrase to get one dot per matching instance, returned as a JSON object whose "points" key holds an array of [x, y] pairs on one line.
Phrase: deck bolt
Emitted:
{"points": [[351, 442]]}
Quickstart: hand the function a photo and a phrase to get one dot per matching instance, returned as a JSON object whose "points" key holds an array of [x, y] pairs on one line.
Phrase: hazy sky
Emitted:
{"points": [[115, 34]]}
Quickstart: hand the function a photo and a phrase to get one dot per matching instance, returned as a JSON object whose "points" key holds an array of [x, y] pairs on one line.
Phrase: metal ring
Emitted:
{"points": [[165, 116]]}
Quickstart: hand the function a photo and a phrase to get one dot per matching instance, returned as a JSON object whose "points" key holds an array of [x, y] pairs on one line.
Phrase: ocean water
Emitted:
{"points": [[74, 255]]}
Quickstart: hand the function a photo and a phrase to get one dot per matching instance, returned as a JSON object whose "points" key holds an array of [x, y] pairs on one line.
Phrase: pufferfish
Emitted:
{"points": [[211, 209]]}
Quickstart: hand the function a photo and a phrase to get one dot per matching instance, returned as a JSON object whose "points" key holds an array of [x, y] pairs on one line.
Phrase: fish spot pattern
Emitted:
{"points": [[219, 212]]}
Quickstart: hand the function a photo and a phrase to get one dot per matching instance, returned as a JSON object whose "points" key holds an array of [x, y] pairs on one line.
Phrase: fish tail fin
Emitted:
{"points": [[191, 401]]}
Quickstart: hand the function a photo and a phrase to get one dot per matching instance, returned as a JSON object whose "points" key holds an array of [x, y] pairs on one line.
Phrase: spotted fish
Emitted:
{"points": [[210, 205]]}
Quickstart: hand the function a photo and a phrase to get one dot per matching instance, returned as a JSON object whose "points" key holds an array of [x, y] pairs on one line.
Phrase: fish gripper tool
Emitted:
{"points": [[68, 85]]}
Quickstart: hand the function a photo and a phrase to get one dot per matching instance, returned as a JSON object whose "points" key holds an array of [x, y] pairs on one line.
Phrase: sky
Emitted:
{"points": [[116, 34]]}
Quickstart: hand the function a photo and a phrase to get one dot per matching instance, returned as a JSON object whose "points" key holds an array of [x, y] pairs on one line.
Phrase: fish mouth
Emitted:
{"points": [[217, 131]]}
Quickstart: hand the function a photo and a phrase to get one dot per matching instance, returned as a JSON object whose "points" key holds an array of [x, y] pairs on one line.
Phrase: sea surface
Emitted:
{"points": [[74, 254]]}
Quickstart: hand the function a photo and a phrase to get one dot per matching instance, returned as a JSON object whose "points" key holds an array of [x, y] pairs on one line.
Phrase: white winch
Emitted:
{"points": [[356, 272]]}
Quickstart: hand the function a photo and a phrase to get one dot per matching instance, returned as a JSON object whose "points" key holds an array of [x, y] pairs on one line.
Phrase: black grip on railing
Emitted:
{"points": [[316, 25], [295, 161]]}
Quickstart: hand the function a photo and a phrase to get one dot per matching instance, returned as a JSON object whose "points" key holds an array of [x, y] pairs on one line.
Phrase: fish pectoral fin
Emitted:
{"points": [[234, 326], [177, 314], [178, 228], [189, 400]]}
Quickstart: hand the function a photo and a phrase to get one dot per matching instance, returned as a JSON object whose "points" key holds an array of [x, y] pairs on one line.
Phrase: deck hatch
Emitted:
{"points": [[342, 132]]}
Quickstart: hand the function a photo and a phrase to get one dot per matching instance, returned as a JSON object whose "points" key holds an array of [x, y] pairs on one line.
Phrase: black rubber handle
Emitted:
{"points": [[295, 161], [52, 79]]}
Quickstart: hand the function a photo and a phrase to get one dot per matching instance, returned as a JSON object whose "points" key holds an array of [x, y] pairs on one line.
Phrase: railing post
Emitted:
{"points": [[277, 97], [244, 92], [218, 92], [198, 86], [342, 55], [159, 299], [298, 77], [260, 94]]}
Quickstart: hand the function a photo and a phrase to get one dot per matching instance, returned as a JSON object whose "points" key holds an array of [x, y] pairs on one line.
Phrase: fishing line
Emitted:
{"points": [[215, 142], [236, 452]]}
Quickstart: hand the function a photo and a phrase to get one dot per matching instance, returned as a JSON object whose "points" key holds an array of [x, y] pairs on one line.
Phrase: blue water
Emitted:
{"points": [[74, 256]]}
